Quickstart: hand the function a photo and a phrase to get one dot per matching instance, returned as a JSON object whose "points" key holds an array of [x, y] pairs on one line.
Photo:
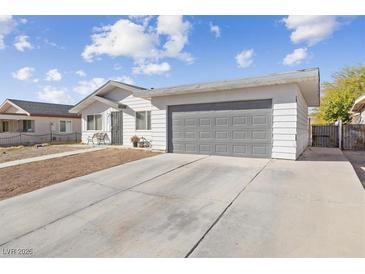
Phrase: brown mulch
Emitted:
{"points": [[23, 152], [31, 176]]}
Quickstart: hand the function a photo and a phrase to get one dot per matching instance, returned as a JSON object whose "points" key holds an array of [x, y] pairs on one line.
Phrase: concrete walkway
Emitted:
{"points": [[357, 159], [49, 156], [175, 205]]}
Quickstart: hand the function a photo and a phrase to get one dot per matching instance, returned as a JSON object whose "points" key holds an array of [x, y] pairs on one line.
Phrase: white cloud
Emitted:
{"points": [[52, 44], [176, 30], [7, 25], [296, 57], [53, 75], [152, 68], [23, 73], [141, 40], [215, 29], [86, 87], [21, 43], [144, 19], [124, 38], [81, 73], [311, 29], [117, 66], [54, 95], [244, 58], [125, 79]]}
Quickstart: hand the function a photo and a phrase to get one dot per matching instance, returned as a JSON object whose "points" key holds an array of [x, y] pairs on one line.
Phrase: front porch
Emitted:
{"points": [[13, 123]]}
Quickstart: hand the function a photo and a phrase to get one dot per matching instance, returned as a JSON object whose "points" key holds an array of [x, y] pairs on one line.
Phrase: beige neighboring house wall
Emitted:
{"points": [[14, 117], [358, 111]]}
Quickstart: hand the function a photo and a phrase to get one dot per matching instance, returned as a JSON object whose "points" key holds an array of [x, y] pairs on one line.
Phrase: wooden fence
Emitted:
{"points": [[325, 136], [353, 136]]}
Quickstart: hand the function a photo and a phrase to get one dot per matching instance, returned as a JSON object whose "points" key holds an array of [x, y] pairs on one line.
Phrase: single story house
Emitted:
{"points": [[265, 116], [358, 111], [32, 119]]}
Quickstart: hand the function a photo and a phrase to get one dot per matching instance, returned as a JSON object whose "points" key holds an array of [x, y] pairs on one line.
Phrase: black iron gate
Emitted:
{"points": [[117, 127], [325, 136]]}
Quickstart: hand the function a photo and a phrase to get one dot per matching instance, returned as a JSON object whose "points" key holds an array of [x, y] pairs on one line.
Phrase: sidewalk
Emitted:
{"points": [[49, 156]]}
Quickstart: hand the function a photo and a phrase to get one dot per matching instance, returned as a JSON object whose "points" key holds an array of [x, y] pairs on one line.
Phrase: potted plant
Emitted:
{"points": [[135, 139]]}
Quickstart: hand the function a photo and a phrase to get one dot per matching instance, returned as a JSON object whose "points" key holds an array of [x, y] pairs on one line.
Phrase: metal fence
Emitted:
{"points": [[10, 139], [353, 137], [325, 136]]}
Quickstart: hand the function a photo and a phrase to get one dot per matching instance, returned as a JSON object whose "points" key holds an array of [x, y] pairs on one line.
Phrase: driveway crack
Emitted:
{"points": [[225, 210], [101, 200]]}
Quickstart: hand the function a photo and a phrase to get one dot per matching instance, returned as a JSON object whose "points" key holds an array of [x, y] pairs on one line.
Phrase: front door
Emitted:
{"points": [[117, 127]]}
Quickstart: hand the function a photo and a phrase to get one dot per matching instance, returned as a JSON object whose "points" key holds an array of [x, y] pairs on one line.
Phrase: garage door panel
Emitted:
{"points": [[243, 132], [260, 120], [240, 121], [260, 135]]}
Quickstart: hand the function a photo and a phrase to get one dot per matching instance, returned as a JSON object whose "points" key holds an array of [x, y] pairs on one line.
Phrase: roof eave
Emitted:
{"points": [[7, 101], [80, 105], [279, 79]]}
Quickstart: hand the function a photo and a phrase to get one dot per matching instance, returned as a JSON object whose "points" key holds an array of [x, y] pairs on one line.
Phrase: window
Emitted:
{"points": [[143, 120], [94, 122], [5, 126], [28, 126], [65, 126]]}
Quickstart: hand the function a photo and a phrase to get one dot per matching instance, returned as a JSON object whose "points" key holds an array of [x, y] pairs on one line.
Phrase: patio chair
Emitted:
{"points": [[145, 143], [91, 138], [99, 137]]}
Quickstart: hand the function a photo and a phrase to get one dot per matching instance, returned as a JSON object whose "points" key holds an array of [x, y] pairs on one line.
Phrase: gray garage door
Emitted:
{"points": [[242, 128]]}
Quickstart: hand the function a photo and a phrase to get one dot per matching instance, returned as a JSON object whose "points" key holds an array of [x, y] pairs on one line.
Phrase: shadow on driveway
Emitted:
{"points": [[357, 159]]}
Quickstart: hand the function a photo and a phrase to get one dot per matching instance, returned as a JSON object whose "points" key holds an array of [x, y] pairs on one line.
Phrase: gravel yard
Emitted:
{"points": [[23, 152], [24, 178]]}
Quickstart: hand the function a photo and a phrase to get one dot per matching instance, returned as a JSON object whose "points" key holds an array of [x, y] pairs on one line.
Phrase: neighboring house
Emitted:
{"points": [[264, 116], [35, 118], [358, 111]]}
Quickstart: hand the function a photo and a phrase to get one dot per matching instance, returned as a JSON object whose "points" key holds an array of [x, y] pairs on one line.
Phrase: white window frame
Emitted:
{"points": [[94, 115], [65, 126], [146, 124], [32, 122]]}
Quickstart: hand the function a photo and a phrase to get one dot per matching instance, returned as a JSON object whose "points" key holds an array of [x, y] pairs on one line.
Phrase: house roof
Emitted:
{"points": [[109, 85], [359, 104], [41, 109], [308, 81]]}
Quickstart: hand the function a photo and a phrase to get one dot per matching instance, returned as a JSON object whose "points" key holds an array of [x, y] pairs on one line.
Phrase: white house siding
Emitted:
{"points": [[96, 108], [284, 114], [129, 128], [302, 124]]}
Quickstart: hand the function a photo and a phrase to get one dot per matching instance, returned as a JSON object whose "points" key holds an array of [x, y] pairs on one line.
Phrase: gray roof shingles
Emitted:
{"points": [[45, 109]]}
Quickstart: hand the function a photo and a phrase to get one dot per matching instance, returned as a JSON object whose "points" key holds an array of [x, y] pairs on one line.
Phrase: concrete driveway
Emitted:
{"points": [[357, 159], [176, 205]]}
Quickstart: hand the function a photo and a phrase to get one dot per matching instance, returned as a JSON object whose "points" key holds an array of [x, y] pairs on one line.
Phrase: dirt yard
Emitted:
{"points": [[23, 152], [31, 176]]}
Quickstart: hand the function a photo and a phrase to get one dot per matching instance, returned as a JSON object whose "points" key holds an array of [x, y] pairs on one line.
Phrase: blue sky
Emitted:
{"points": [[63, 58]]}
